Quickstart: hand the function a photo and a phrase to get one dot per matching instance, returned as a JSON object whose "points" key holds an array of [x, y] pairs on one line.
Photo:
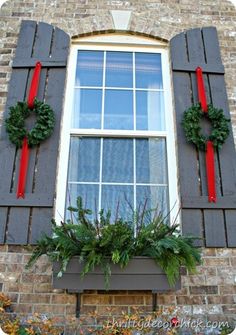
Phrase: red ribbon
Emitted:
{"points": [[23, 169], [210, 162], [210, 167], [201, 89], [24, 160], [34, 85]]}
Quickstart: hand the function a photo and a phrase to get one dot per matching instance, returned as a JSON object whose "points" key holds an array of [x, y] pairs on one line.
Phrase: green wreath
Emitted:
{"points": [[15, 124], [219, 123]]}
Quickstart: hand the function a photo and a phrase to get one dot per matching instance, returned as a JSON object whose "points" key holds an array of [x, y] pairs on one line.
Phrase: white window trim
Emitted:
{"points": [[115, 42]]}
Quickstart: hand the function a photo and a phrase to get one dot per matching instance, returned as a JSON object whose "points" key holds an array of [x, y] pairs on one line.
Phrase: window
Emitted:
{"points": [[117, 148]]}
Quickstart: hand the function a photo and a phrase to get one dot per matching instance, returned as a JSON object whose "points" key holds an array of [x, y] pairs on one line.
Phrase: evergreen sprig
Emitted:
{"points": [[192, 127], [103, 242], [15, 123]]}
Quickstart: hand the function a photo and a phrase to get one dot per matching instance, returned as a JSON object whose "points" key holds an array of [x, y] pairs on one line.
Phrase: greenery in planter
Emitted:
{"points": [[101, 242]]}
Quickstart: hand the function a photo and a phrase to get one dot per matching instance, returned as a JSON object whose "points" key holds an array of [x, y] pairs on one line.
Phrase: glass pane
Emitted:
{"points": [[150, 113], [117, 160], [118, 199], [153, 200], [148, 70], [151, 166], [87, 108], [118, 109], [89, 70], [119, 69], [84, 161], [89, 194]]}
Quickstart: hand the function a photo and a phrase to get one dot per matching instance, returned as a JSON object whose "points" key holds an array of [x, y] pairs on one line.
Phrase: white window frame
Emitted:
{"points": [[129, 43]]}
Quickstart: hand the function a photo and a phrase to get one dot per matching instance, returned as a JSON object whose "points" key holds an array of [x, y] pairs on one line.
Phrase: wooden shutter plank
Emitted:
{"points": [[203, 50], [227, 153], [179, 52], [49, 148], [41, 223], [43, 40], [26, 39], [225, 202], [195, 46], [7, 149], [211, 46], [214, 228], [230, 216], [18, 224], [3, 223], [30, 200], [60, 45], [193, 224], [37, 42], [186, 152]]}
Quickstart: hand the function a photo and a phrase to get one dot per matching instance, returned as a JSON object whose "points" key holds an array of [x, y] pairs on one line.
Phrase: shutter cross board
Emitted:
{"points": [[23, 221], [215, 223]]}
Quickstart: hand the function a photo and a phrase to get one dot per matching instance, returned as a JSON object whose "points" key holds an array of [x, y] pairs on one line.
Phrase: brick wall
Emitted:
{"points": [[209, 294]]}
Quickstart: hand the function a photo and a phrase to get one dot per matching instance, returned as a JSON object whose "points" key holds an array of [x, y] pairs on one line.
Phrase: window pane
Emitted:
{"points": [[117, 160], [150, 113], [119, 69], [89, 194], [148, 70], [87, 109], [152, 199], [151, 166], [84, 159], [89, 69], [118, 109], [118, 199]]}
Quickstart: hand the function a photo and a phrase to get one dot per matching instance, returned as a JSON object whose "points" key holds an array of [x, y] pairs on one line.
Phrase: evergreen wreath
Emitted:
{"points": [[15, 124], [219, 123]]}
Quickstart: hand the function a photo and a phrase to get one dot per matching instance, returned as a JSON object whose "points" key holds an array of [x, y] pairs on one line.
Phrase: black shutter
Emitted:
{"points": [[214, 222], [23, 221]]}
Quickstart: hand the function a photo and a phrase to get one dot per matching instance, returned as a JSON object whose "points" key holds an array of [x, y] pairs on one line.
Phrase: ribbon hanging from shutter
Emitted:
{"points": [[213, 222], [24, 221]]}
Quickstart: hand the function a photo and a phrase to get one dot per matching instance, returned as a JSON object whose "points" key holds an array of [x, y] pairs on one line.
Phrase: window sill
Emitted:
{"points": [[141, 273]]}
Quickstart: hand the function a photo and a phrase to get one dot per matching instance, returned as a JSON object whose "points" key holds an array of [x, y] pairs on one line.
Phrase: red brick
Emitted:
{"points": [[203, 289], [35, 298], [43, 288], [191, 300], [96, 299], [216, 261], [64, 299], [36, 279], [166, 299], [227, 289], [44, 309], [129, 300]]}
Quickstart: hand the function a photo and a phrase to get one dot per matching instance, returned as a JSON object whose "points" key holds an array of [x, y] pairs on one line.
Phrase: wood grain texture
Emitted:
{"points": [[200, 47], [24, 220]]}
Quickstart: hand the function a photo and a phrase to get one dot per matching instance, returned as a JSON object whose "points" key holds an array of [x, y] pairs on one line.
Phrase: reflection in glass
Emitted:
{"points": [[118, 109], [150, 113], [84, 161], [151, 166], [89, 68], [89, 194], [148, 70], [119, 69], [87, 109], [118, 199], [117, 160], [152, 199]]}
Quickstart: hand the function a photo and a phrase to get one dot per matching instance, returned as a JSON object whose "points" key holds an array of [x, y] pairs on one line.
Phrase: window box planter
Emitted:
{"points": [[141, 273]]}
